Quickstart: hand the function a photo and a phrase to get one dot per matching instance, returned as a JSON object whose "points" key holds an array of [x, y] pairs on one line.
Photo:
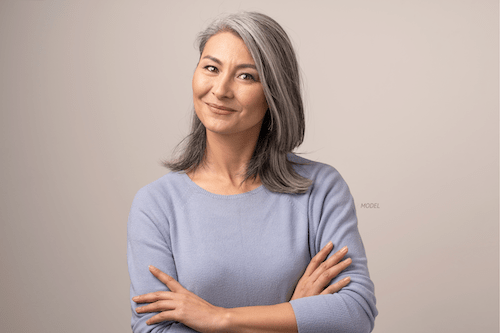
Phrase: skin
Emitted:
{"points": [[230, 102], [226, 78]]}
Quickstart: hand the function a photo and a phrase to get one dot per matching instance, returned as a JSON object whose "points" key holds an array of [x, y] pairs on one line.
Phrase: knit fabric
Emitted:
{"points": [[250, 249]]}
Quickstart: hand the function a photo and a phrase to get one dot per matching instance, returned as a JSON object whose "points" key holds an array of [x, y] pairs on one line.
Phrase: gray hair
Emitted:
{"points": [[283, 126]]}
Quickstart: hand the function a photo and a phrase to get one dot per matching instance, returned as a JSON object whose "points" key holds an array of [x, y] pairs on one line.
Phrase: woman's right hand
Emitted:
{"points": [[320, 272]]}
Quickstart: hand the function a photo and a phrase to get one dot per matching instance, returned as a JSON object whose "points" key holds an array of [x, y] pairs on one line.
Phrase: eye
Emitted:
{"points": [[211, 69], [246, 76]]}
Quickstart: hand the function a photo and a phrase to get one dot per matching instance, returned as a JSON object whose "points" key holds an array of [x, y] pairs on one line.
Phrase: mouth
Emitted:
{"points": [[220, 108]]}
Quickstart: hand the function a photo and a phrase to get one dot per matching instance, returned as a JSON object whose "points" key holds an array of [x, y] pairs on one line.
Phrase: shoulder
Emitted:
{"points": [[321, 174], [328, 188], [154, 204], [166, 189], [330, 203]]}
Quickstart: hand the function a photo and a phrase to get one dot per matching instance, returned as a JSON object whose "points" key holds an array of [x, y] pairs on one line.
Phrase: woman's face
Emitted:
{"points": [[227, 93]]}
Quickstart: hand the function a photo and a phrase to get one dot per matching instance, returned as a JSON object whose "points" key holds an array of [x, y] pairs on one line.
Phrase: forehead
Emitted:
{"points": [[227, 46]]}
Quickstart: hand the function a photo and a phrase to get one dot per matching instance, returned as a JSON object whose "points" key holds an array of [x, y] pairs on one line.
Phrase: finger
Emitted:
{"points": [[324, 279], [162, 316], [318, 259], [330, 262], [152, 297], [337, 256], [156, 307], [336, 286], [169, 281]]}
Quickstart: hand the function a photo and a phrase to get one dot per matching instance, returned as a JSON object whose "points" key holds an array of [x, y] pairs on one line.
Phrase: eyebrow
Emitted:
{"points": [[214, 59]]}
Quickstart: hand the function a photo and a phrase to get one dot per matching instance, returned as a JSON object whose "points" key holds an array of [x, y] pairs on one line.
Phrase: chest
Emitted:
{"points": [[240, 252]]}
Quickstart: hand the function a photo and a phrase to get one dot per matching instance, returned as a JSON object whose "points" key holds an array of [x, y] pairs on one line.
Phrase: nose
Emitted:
{"points": [[223, 87]]}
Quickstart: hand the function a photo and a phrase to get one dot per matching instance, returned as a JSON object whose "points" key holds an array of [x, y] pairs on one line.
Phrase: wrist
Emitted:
{"points": [[267, 318], [225, 319]]}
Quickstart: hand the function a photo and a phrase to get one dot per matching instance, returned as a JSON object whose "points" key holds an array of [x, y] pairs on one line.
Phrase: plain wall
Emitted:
{"points": [[401, 97]]}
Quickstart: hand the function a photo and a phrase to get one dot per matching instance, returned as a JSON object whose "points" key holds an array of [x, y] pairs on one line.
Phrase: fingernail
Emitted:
{"points": [[151, 267], [135, 298], [344, 249], [347, 279]]}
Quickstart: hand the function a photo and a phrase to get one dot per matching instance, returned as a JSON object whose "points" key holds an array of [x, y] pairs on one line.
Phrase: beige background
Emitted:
{"points": [[401, 96]]}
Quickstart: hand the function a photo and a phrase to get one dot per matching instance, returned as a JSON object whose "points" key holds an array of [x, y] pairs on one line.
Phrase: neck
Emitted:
{"points": [[224, 168], [229, 155]]}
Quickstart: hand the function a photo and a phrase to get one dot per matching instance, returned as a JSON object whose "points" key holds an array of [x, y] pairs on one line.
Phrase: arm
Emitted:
{"points": [[184, 306], [333, 218], [148, 243]]}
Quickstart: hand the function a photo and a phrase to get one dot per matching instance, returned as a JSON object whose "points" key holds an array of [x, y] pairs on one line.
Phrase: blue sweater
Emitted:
{"points": [[250, 249]]}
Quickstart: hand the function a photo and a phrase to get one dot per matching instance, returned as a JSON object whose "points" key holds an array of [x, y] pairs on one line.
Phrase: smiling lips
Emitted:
{"points": [[220, 109]]}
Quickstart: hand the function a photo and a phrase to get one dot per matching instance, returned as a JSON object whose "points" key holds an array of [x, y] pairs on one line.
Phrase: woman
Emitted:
{"points": [[237, 235]]}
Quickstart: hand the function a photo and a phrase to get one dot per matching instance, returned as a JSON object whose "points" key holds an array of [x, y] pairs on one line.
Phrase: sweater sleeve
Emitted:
{"points": [[333, 218], [148, 243]]}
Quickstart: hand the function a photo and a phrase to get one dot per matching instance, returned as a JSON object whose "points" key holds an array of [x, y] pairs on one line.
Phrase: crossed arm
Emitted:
{"points": [[185, 307]]}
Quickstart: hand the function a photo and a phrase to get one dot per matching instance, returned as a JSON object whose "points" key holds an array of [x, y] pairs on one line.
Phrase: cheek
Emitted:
{"points": [[254, 99], [199, 85], [264, 102], [259, 104]]}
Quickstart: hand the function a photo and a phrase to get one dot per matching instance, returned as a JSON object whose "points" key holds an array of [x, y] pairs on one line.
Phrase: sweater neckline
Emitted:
{"points": [[201, 190]]}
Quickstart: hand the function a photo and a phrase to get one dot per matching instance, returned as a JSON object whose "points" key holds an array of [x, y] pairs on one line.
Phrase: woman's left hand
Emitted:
{"points": [[179, 304], [319, 273]]}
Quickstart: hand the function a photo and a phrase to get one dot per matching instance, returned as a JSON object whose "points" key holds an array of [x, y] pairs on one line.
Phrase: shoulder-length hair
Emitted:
{"points": [[283, 126]]}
